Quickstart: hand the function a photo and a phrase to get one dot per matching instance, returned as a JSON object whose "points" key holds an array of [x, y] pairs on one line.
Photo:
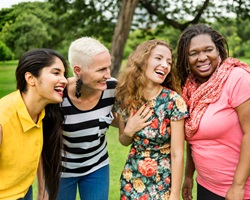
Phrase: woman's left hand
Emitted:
{"points": [[235, 193]]}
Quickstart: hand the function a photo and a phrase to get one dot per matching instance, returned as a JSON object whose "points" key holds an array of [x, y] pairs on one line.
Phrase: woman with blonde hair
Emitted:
{"points": [[87, 105]]}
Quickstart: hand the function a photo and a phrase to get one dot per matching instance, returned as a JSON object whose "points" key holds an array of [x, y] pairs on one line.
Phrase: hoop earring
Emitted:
{"points": [[78, 88]]}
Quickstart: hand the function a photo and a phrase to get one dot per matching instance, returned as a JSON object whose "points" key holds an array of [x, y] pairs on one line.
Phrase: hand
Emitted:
{"points": [[42, 195], [235, 193], [187, 189], [138, 120]]}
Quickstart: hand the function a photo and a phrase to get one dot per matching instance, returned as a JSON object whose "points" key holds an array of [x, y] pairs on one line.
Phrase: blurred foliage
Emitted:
{"points": [[28, 25], [55, 23], [5, 52]]}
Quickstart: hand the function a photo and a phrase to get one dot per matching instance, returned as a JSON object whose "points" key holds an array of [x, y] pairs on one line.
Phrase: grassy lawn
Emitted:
{"points": [[117, 152], [7, 78], [246, 60]]}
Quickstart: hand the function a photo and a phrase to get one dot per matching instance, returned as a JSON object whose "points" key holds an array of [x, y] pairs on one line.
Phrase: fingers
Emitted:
{"points": [[186, 194], [145, 112]]}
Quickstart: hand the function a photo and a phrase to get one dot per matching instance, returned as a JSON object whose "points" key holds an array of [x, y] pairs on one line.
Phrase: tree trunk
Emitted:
{"points": [[121, 33]]}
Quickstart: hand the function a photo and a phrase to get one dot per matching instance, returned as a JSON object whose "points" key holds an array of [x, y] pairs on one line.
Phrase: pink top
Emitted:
{"points": [[216, 145]]}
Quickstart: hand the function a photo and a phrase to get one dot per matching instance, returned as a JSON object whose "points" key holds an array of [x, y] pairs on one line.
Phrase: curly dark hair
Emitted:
{"points": [[184, 43]]}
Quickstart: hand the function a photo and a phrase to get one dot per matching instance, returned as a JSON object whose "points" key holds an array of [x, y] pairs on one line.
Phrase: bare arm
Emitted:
{"points": [[236, 191], [115, 122], [135, 123], [177, 157], [42, 193], [189, 173]]}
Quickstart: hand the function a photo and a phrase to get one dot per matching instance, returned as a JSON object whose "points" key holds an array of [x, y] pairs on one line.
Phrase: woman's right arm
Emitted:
{"points": [[189, 173], [124, 138], [42, 193]]}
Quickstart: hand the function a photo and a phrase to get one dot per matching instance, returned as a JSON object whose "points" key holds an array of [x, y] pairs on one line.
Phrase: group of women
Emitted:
{"points": [[56, 127]]}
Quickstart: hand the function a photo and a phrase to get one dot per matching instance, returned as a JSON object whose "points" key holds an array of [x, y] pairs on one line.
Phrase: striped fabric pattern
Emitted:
{"points": [[84, 135]]}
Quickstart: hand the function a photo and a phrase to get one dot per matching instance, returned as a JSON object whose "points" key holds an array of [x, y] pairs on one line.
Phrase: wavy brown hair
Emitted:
{"points": [[132, 80]]}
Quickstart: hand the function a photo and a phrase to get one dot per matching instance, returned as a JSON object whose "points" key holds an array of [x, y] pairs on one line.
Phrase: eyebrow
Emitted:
{"points": [[195, 49], [56, 69]]}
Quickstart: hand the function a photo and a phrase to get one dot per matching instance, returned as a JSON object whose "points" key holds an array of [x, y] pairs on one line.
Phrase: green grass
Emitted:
{"points": [[246, 60], [7, 77], [118, 155], [117, 152]]}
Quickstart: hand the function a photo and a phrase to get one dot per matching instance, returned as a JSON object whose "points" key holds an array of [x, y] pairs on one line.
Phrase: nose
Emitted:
{"points": [[107, 75], [166, 64], [64, 80], [202, 56]]}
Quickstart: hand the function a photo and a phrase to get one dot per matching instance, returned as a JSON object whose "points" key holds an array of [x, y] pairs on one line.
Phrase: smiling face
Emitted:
{"points": [[159, 64], [51, 82], [94, 76], [203, 57]]}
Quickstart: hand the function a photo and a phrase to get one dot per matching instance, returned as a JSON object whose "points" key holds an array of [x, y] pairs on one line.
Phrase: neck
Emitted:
{"points": [[152, 92], [33, 106], [88, 99], [86, 92]]}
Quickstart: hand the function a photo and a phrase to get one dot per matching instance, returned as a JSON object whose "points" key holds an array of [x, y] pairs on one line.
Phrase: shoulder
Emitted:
{"points": [[111, 83], [10, 100], [237, 75], [171, 93], [110, 91], [237, 86], [239, 68], [8, 105], [239, 71]]}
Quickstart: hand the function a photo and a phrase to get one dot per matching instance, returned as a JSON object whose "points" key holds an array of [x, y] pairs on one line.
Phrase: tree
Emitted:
{"points": [[121, 33], [106, 18], [26, 33], [29, 25], [5, 52], [111, 21], [172, 13]]}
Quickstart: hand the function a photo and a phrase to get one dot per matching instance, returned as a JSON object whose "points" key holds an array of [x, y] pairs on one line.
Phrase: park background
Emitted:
{"points": [[120, 25]]}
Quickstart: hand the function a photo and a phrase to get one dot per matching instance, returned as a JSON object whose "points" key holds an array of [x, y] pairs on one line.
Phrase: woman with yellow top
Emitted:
{"points": [[30, 126]]}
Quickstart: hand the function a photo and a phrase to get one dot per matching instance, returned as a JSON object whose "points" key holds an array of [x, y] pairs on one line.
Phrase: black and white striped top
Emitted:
{"points": [[84, 135]]}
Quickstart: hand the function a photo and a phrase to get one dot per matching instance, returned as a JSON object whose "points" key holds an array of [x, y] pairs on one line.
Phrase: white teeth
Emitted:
{"points": [[59, 89], [203, 66], [160, 72]]}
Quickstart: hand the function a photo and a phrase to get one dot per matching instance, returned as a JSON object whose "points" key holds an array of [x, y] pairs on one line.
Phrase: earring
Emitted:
{"points": [[78, 88]]}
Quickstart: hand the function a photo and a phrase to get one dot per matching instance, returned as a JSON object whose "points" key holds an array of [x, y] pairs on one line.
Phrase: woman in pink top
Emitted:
{"points": [[216, 89]]}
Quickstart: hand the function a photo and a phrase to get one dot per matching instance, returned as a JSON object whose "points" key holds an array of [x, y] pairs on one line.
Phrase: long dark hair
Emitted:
{"points": [[34, 61], [184, 43]]}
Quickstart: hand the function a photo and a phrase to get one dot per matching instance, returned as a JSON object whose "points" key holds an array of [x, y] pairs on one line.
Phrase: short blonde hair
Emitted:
{"points": [[82, 50]]}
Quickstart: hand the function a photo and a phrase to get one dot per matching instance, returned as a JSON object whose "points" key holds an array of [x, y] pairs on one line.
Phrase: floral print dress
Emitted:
{"points": [[147, 173]]}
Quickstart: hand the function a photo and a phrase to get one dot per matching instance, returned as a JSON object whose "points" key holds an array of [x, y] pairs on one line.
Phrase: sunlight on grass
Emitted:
{"points": [[117, 152]]}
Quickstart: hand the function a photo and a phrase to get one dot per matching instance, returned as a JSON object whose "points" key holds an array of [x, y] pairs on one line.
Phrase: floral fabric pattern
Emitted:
{"points": [[147, 173]]}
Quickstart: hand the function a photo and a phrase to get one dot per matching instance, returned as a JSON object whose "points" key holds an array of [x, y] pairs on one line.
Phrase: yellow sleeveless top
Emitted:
{"points": [[21, 147]]}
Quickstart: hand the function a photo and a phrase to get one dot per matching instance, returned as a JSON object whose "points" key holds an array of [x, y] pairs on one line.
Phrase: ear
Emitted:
{"points": [[77, 69], [30, 79]]}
